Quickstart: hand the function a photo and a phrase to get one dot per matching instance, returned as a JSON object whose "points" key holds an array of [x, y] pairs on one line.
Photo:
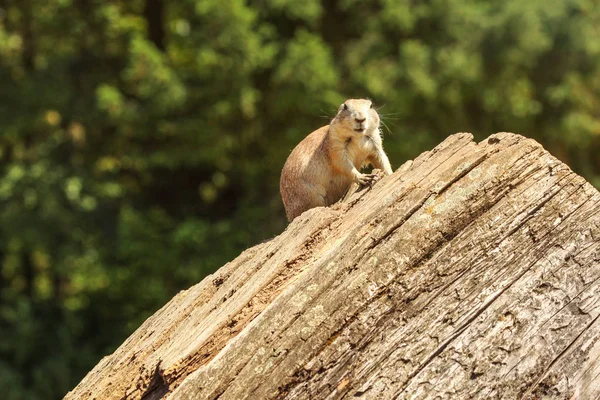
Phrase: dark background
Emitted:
{"points": [[141, 141]]}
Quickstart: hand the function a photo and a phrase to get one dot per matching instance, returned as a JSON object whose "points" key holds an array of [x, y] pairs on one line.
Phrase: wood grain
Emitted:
{"points": [[471, 272]]}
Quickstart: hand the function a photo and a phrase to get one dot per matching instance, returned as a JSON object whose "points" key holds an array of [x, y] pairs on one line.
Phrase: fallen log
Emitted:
{"points": [[471, 272]]}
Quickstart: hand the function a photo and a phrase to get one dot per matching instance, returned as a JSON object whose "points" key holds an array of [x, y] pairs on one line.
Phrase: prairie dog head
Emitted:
{"points": [[357, 116]]}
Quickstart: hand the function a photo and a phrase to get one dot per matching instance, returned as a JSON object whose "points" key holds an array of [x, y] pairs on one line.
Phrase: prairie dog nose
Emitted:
{"points": [[360, 120]]}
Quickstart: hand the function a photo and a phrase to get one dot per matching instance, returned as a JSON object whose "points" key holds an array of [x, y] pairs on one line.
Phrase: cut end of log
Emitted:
{"points": [[471, 272]]}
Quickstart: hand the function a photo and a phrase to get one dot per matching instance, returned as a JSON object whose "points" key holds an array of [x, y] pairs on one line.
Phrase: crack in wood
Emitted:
{"points": [[559, 356]]}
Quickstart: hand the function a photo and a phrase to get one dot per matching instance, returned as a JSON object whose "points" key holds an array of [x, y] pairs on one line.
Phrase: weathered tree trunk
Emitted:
{"points": [[472, 272]]}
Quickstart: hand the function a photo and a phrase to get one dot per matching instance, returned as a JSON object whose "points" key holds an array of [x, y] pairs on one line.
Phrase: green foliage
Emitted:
{"points": [[140, 151]]}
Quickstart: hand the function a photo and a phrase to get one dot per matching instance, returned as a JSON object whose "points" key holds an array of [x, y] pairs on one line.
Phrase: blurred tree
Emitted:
{"points": [[141, 141]]}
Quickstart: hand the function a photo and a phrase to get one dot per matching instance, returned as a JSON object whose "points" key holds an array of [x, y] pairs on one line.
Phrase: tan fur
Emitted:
{"points": [[322, 167]]}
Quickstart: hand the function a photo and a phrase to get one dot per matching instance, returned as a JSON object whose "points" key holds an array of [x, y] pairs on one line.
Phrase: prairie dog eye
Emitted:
{"points": [[371, 106], [345, 107]]}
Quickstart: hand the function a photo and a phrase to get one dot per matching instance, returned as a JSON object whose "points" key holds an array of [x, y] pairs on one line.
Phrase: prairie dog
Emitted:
{"points": [[322, 167]]}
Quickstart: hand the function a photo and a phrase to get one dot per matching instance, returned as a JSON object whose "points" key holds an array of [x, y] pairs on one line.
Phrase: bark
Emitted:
{"points": [[472, 272], [29, 42], [154, 13]]}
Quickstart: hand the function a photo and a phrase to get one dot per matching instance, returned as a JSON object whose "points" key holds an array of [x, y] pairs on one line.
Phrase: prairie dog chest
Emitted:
{"points": [[358, 149]]}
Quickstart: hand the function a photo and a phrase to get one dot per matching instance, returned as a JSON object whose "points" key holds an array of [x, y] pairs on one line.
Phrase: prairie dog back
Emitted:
{"points": [[323, 165]]}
